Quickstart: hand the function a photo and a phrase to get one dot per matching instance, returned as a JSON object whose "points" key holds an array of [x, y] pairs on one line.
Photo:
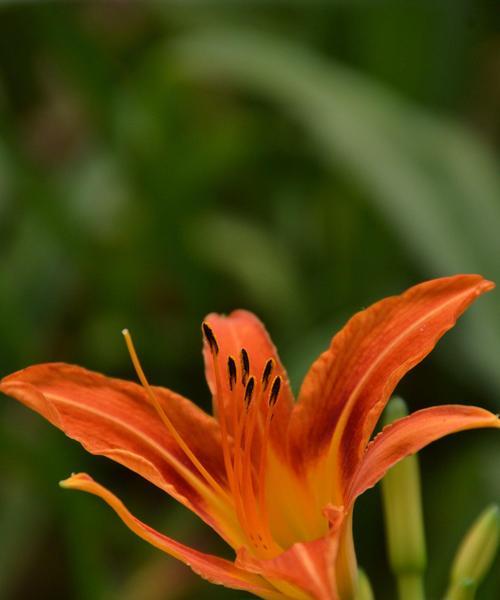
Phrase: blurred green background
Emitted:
{"points": [[161, 161]]}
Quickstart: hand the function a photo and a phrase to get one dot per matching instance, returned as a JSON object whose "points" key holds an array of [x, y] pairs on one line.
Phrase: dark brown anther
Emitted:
{"points": [[210, 338], [231, 372], [275, 390], [249, 391], [266, 373], [245, 366]]}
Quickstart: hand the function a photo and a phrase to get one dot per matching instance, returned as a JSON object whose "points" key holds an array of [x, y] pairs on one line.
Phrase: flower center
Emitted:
{"points": [[244, 407]]}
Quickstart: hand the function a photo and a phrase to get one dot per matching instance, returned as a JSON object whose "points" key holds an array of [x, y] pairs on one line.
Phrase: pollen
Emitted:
{"points": [[245, 366], [231, 372], [266, 373], [249, 391], [210, 338], [275, 390]]}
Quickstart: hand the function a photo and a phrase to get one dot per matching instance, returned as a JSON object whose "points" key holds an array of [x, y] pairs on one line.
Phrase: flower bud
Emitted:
{"points": [[475, 555], [364, 589], [462, 590], [403, 506]]}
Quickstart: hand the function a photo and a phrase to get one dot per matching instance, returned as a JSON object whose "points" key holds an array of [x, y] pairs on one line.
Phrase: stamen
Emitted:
{"points": [[250, 463], [210, 338], [231, 371], [249, 391], [246, 482], [275, 390], [245, 366], [219, 402], [238, 465], [253, 470], [164, 417], [266, 374]]}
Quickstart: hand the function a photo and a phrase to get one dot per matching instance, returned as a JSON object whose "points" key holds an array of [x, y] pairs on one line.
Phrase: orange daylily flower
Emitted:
{"points": [[277, 480]]}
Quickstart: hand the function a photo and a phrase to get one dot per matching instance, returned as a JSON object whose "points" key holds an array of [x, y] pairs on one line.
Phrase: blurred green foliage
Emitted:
{"points": [[161, 161]]}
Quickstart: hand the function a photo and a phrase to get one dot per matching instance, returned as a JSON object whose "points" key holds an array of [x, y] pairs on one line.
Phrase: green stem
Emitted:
{"points": [[404, 524], [410, 586]]}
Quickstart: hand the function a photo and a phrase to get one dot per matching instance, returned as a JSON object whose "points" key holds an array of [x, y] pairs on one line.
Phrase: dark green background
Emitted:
{"points": [[161, 161]]}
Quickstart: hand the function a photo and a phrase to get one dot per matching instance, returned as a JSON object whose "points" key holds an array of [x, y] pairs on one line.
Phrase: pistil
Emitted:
{"points": [[167, 422]]}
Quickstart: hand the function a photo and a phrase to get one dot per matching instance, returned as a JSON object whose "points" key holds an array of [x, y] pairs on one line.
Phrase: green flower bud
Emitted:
{"points": [[475, 555], [462, 590], [364, 591]]}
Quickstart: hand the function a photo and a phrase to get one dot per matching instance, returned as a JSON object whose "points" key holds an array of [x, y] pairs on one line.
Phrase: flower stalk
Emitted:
{"points": [[401, 494]]}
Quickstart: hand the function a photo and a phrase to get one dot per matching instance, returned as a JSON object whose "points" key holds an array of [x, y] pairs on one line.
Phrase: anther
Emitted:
{"points": [[275, 390], [266, 374], [249, 391], [210, 338], [231, 372], [245, 365]]}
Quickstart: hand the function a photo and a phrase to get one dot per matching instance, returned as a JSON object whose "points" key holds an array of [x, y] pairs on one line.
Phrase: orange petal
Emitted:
{"points": [[348, 386], [306, 570], [214, 569], [409, 435], [114, 418], [242, 329]]}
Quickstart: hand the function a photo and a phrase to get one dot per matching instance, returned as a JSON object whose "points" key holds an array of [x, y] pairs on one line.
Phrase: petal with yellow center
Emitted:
{"points": [[349, 385], [307, 569], [409, 435], [214, 569], [115, 418]]}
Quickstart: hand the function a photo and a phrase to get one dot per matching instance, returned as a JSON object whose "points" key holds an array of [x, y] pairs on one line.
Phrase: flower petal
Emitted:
{"points": [[214, 569], [114, 418], [409, 435], [242, 329], [348, 386], [307, 569]]}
